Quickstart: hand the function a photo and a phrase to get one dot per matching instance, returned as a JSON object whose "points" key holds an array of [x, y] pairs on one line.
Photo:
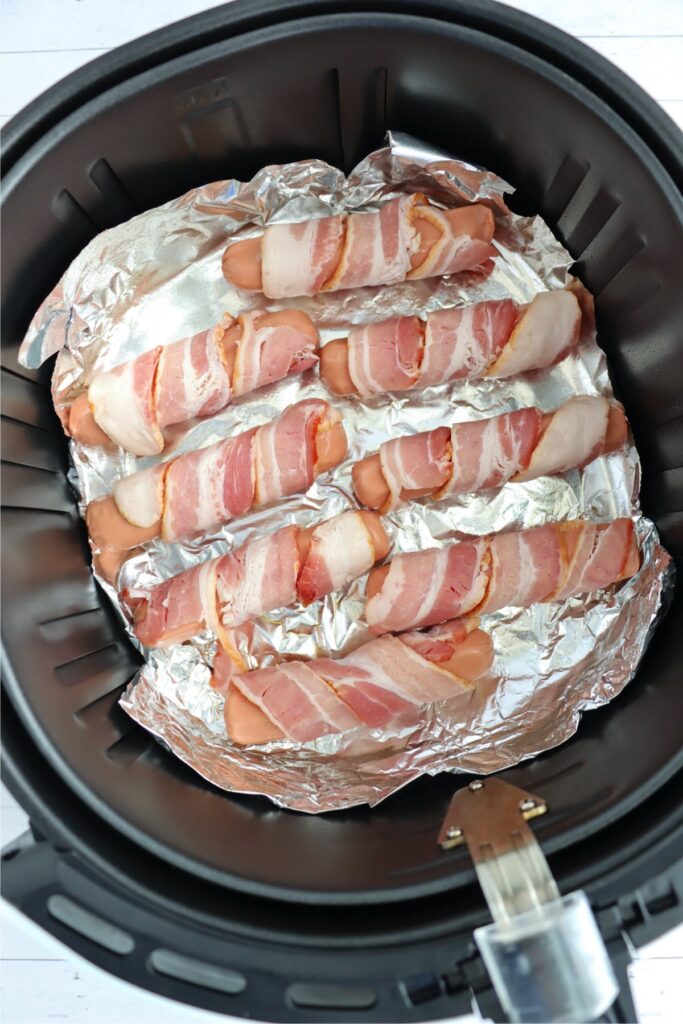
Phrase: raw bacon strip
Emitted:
{"points": [[285, 450], [452, 252], [210, 486], [370, 696], [176, 610], [573, 436], [223, 592], [460, 343], [547, 563], [487, 453], [456, 646], [547, 332], [495, 338], [340, 550], [122, 402], [398, 666], [265, 573], [437, 643], [382, 683], [525, 567], [377, 247], [481, 454], [267, 353], [131, 404], [192, 379], [597, 555], [418, 462], [140, 496], [406, 238], [245, 723], [297, 259], [385, 356], [213, 485], [258, 577], [297, 700], [427, 587]]}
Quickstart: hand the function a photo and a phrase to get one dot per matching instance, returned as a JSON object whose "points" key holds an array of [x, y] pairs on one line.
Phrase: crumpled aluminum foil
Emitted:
{"points": [[157, 278]]}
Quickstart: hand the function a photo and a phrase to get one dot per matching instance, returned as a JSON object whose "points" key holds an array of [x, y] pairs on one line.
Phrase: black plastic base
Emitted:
{"points": [[189, 940]]}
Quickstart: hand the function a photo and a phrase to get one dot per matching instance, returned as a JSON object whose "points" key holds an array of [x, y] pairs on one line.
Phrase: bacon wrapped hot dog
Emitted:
{"points": [[495, 338], [384, 681], [518, 568], [481, 454], [131, 404], [265, 573], [406, 239], [213, 485]]}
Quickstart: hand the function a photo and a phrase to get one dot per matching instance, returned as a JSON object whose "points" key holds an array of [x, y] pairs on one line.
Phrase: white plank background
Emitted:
{"points": [[40, 42]]}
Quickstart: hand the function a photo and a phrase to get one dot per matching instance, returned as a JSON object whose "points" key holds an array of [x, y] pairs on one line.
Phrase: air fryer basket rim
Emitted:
{"points": [[147, 906], [607, 865], [330, 22], [575, 58], [13, 684]]}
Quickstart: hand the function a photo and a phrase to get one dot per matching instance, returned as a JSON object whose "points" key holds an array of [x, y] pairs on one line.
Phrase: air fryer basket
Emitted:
{"points": [[361, 903]]}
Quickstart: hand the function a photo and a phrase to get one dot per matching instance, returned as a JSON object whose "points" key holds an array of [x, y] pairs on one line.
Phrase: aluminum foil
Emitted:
{"points": [[157, 278]]}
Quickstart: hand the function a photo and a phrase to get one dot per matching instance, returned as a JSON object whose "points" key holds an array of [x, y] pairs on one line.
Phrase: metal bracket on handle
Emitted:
{"points": [[491, 817], [544, 952]]}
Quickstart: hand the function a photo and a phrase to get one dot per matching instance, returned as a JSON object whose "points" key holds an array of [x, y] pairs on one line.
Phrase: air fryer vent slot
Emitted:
{"points": [[616, 260], [361, 111], [315, 996], [22, 378], [24, 423], [215, 128], [130, 747], [197, 972], [589, 225], [90, 634], [119, 203], [89, 925], [34, 489], [85, 668], [24, 404], [669, 444], [104, 709], [641, 291], [35, 508], [73, 216], [26, 465], [563, 187], [67, 616]]}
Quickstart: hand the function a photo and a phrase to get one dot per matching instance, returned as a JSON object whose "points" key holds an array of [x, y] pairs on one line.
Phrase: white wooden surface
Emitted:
{"points": [[40, 42], [43, 40]]}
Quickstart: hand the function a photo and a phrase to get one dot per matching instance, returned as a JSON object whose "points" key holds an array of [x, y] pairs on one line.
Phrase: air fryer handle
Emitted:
{"points": [[544, 952]]}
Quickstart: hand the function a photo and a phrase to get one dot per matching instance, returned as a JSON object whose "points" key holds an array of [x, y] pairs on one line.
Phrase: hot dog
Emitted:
{"points": [[132, 404], [383, 683], [406, 239], [494, 338], [482, 454], [213, 485]]}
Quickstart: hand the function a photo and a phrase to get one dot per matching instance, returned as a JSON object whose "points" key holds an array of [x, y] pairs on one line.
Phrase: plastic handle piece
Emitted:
{"points": [[544, 953], [550, 963]]}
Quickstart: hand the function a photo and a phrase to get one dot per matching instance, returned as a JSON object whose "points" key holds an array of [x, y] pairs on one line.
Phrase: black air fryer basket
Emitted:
{"points": [[133, 860]]}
